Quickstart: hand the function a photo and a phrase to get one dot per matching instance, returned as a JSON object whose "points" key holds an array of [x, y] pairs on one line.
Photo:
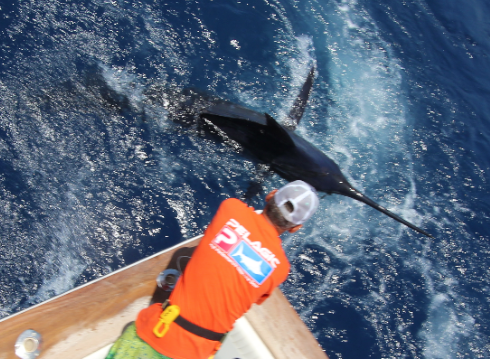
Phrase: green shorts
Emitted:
{"points": [[130, 346]]}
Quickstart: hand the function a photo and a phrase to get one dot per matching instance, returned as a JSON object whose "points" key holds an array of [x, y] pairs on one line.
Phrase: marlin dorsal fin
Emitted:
{"points": [[280, 133], [299, 105]]}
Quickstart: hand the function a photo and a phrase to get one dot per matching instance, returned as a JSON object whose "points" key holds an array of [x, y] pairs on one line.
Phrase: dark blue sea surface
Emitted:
{"points": [[94, 175]]}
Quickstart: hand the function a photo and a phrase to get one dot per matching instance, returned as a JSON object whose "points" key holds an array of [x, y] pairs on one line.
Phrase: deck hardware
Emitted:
{"points": [[28, 344], [167, 279]]}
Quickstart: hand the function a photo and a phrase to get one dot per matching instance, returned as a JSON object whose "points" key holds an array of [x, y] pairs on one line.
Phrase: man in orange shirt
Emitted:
{"points": [[239, 262]]}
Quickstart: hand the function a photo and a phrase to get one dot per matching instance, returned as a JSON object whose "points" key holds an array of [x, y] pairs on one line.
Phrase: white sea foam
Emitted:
{"points": [[445, 328], [368, 136], [125, 83], [63, 265]]}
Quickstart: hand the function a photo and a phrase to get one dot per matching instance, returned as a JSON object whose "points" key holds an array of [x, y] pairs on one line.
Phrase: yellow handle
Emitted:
{"points": [[166, 318]]}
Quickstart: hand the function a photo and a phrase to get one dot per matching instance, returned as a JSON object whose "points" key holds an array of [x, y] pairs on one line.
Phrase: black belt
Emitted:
{"points": [[196, 329]]}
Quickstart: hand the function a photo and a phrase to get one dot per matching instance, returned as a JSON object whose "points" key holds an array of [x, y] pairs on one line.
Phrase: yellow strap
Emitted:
{"points": [[166, 318]]}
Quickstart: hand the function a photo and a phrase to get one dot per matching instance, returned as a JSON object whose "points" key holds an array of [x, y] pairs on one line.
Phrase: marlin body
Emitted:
{"points": [[277, 145]]}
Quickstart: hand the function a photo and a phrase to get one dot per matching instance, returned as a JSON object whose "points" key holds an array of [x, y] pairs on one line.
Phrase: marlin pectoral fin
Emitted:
{"points": [[299, 105], [280, 134]]}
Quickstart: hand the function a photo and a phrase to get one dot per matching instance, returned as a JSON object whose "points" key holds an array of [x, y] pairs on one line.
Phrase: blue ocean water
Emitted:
{"points": [[94, 175]]}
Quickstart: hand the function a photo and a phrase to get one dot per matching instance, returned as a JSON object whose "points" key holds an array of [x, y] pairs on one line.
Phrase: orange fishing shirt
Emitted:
{"points": [[239, 261]]}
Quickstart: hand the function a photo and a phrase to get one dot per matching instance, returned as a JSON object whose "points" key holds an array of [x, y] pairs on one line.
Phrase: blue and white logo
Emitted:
{"points": [[251, 262]]}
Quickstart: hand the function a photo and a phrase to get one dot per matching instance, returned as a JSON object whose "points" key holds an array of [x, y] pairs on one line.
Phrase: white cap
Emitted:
{"points": [[302, 196]]}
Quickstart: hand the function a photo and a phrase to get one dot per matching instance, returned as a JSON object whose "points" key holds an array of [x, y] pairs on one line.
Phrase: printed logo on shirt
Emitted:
{"points": [[226, 238], [251, 262], [250, 259]]}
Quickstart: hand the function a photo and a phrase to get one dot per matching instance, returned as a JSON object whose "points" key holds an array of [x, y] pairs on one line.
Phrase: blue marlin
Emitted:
{"points": [[272, 143], [289, 155]]}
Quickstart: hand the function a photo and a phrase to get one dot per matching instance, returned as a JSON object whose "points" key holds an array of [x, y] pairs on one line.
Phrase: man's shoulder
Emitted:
{"points": [[234, 202], [231, 208]]}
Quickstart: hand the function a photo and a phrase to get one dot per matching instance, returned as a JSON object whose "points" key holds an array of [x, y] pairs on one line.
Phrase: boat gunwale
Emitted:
{"points": [[91, 282]]}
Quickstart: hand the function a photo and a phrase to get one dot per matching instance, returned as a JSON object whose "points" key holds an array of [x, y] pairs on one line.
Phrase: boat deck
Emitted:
{"points": [[242, 342]]}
